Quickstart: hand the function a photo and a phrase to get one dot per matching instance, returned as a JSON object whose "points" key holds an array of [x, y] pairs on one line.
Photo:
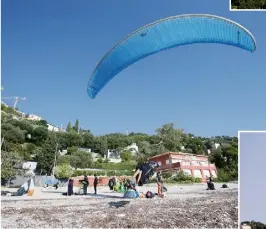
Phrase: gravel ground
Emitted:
{"points": [[184, 206]]}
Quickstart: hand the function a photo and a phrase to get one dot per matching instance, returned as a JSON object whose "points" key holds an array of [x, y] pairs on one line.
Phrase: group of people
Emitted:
{"points": [[142, 175], [85, 183]]}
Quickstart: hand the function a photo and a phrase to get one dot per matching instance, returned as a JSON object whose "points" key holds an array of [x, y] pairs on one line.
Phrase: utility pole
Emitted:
{"points": [[55, 159]]}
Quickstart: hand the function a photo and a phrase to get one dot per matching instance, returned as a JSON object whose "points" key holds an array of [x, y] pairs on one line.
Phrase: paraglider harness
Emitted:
{"points": [[112, 183], [147, 171]]}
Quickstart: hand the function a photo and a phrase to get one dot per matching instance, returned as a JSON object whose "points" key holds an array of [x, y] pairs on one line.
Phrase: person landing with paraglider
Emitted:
{"points": [[159, 180]]}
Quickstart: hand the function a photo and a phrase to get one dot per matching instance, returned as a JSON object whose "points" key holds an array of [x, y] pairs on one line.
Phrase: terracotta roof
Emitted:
{"points": [[179, 153]]}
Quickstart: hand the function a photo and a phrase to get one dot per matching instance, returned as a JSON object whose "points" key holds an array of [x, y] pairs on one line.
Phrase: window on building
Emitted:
{"points": [[206, 173], [187, 172], [167, 162], [159, 163], [197, 173], [176, 160]]}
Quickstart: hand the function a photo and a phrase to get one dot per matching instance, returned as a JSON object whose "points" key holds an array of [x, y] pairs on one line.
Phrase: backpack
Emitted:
{"points": [[150, 194]]}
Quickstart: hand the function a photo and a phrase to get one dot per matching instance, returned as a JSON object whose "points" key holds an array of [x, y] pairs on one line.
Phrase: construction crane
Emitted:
{"points": [[16, 98]]}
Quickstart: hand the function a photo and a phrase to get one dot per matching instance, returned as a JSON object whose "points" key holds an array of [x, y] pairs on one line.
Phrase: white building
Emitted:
{"points": [[245, 226], [53, 128], [30, 166], [33, 117], [133, 148], [113, 156]]}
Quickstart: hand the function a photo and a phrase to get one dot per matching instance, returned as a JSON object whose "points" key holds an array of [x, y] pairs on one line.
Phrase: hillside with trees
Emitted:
{"points": [[248, 4], [24, 140], [254, 224]]}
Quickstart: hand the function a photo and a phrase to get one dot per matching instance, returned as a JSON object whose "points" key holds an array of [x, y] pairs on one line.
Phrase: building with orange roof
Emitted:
{"points": [[191, 164]]}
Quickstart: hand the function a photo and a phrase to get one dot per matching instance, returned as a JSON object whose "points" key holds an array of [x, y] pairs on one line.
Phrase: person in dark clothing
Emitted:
{"points": [[70, 187], [85, 185], [112, 183], [95, 183], [210, 184]]}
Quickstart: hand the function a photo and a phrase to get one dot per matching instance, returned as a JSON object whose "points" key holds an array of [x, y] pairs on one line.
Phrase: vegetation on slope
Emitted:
{"points": [[30, 140], [248, 4]]}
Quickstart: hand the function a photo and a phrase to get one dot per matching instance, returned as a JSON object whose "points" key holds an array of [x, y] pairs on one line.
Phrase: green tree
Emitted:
{"points": [[76, 126], [40, 134], [26, 150], [117, 140], [81, 159], [254, 224], [63, 171], [69, 128], [100, 146], [42, 123], [194, 145], [145, 149], [226, 158], [126, 156], [63, 159], [242, 4], [13, 134], [170, 137], [88, 139], [10, 162], [6, 127], [45, 158], [62, 139], [72, 150], [250, 4], [157, 149], [73, 138]]}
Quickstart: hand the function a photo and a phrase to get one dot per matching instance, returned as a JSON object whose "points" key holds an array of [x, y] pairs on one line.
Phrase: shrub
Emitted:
{"points": [[111, 173], [114, 166], [102, 173], [223, 176], [167, 175], [63, 171], [183, 178]]}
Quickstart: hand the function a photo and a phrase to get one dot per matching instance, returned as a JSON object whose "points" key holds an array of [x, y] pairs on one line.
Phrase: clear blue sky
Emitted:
{"points": [[252, 177], [50, 48]]}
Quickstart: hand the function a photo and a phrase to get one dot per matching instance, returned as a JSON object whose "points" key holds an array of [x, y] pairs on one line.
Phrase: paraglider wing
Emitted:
{"points": [[165, 34], [147, 171]]}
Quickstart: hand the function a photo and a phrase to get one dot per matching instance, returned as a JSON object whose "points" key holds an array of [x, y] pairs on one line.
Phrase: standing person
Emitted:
{"points": [[95, 183], [70, 187], [159, 180], [85, 185]]}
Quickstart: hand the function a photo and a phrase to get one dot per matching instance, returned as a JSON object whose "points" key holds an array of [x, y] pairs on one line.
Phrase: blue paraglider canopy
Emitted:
{"points": [[165, 34]]}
